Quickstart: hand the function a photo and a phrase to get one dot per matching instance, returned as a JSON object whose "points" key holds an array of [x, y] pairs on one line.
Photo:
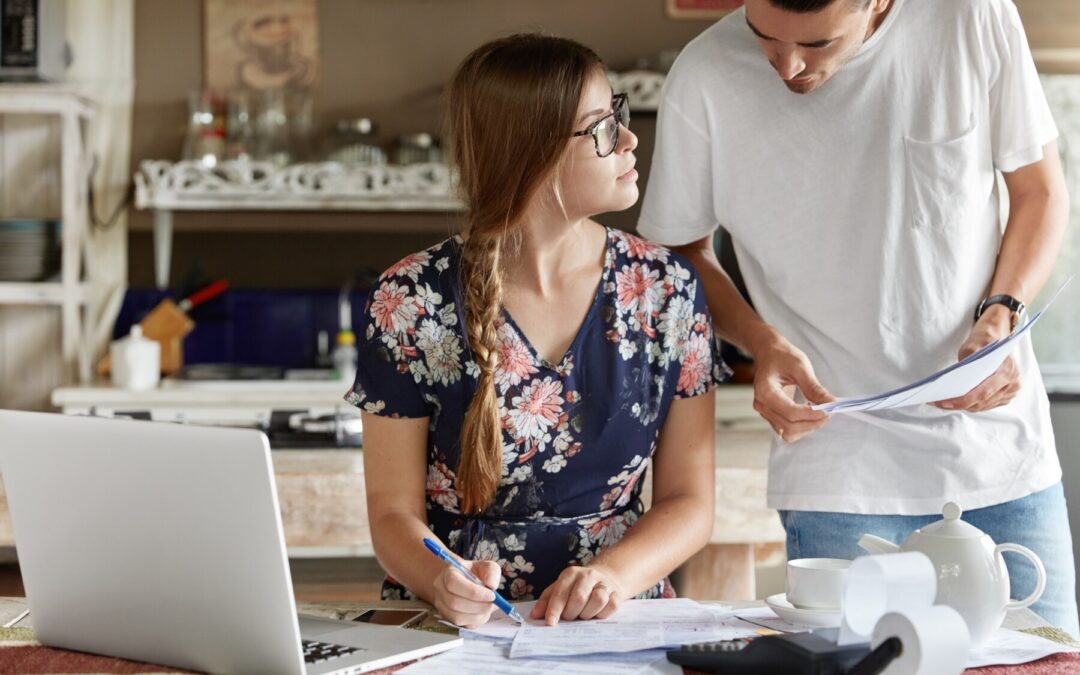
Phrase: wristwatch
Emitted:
{"points": [[1015, 306]]}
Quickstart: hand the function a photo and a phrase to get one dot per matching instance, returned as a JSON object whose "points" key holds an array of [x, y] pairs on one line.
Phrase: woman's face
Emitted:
{"points": [[590, 184]]}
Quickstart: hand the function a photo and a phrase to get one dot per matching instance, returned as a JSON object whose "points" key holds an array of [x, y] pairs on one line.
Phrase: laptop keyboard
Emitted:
{"points": [[317, 652]]}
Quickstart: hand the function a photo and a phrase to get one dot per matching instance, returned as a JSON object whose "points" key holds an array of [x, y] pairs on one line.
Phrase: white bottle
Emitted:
{"points": [[136, 361], [345, 356]]}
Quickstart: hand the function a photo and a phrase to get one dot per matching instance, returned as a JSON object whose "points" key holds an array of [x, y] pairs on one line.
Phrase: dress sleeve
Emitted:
{"points": [[700, 367], [386, 380]]}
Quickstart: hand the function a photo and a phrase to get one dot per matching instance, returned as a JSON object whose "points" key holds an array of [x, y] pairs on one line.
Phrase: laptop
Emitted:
{"points": [[163, 543]]}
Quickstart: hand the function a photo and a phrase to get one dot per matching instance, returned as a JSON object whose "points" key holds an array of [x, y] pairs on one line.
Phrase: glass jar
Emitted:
{"points": [[205, 141], [354, 144], [417, 148], [272, 128], [239, 129]]}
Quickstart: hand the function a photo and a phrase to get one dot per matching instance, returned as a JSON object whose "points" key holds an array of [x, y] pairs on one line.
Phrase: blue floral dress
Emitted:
{"points": [[578, 435]]}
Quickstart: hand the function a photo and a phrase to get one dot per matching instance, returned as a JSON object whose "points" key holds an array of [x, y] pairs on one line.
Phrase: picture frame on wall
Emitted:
{"points": [[259, 45], [700, 9]]}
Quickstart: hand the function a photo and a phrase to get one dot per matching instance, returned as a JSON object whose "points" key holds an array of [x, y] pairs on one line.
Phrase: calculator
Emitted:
{"points": [[788, 654]]}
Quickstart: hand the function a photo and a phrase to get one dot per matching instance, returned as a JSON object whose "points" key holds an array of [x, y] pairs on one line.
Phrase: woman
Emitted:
{"points": [[517, 382]]}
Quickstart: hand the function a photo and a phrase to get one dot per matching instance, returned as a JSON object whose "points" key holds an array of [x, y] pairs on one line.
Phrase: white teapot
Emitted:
{"points": [[971, 574]]}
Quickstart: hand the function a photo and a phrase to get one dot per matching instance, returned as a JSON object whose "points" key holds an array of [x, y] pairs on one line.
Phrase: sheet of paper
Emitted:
{"points": [[1011, 647], [763, 617], [638, 625], [951, 382], [488, 657], [502, 627]]}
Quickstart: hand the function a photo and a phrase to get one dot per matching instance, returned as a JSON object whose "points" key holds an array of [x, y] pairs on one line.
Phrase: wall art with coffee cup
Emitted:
{"points": [[255, 44]]}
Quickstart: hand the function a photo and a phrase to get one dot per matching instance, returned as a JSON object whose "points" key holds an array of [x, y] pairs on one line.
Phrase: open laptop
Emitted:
{"points": [[163, 543]]}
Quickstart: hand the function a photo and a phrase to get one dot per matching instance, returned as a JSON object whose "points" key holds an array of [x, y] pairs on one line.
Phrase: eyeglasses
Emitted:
{"points": [[605, 131]]}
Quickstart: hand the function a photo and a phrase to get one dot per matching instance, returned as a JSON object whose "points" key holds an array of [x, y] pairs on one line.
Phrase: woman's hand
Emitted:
{"points": [[462, 602], [579, 593]]}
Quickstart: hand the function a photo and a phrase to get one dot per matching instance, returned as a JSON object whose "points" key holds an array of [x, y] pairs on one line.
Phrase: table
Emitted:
{"points": [[19, 653]]}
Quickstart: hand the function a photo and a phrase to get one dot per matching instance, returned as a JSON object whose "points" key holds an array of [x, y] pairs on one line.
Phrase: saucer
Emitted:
{"points": [[810, 618]]}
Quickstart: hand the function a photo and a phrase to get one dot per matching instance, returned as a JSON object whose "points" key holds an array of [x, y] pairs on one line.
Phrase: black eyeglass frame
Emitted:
{"points": [[620, 106]]}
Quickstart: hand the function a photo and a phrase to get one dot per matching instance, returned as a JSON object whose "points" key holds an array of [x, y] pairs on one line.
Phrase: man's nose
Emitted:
{"points": [[788, 63]]}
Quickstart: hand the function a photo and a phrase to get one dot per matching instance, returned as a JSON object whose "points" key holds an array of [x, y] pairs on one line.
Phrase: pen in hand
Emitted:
{"points": [[499, 600]]}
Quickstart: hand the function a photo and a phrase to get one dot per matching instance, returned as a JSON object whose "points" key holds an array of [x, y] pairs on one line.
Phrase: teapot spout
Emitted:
{"points": [[874, 544]]}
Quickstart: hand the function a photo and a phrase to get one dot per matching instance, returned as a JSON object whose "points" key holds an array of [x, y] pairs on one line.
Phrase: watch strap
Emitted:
{"points": [[1015, 306]]}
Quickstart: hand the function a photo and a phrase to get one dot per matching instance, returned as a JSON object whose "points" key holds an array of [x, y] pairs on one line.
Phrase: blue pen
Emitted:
{"points": [[500, 601]]}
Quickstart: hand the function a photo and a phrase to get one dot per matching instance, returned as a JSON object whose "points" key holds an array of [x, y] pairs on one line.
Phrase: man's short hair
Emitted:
{"points": [[807, 6]]}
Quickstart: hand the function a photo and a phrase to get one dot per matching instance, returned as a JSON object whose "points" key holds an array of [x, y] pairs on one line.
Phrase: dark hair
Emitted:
{"points": [[510, 117], [808, 6]]}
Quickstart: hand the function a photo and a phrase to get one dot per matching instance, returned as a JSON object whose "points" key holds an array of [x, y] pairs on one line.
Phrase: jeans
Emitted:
{"points": [[1039, 521]]}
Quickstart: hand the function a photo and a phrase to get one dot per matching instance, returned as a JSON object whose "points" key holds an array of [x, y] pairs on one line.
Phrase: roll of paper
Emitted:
{"points": [[934, 641], [878, 584]]}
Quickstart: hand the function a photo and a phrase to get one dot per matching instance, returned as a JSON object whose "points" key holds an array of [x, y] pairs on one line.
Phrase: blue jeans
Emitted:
{"points": [[1039, 522]]}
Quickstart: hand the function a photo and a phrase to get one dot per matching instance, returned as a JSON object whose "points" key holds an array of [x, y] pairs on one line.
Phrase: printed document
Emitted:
{"points": [[956, 380]]}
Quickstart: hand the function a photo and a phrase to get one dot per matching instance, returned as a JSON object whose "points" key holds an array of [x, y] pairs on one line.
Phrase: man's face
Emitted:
{"points": [[806, 49]]}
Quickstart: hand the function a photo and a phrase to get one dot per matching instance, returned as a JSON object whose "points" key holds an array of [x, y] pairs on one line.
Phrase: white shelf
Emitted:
{"points": [[315, 186], [166, 187], [75, 113], [41, 293]]}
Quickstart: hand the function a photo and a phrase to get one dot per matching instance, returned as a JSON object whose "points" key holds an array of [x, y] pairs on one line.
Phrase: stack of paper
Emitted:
{"points": [[633, 640], [956, 380]]}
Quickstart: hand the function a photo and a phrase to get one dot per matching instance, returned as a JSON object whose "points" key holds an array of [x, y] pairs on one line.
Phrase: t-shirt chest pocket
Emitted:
{"points": [[943, 179]]}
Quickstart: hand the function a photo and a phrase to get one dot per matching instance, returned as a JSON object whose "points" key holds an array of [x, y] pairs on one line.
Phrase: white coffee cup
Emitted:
{"points": [[816, 583]]}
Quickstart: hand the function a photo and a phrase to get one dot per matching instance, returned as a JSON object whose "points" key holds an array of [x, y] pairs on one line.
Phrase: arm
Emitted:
{"points": [[683, 496], [395, 471], [1038, 216], [780, 365]]}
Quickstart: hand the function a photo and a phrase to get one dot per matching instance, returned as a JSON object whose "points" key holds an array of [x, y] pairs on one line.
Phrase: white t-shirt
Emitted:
{"points": [[864, 217]]}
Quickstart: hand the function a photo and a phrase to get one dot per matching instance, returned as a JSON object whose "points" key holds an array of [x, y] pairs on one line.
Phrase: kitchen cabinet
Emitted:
{"points": [[75, 293]]}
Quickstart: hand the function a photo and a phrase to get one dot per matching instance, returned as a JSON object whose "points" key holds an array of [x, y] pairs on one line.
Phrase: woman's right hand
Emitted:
{"points": [[462, 602]]}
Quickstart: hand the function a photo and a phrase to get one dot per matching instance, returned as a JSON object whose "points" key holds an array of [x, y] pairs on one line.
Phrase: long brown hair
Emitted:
{"points": [[511, 111]]}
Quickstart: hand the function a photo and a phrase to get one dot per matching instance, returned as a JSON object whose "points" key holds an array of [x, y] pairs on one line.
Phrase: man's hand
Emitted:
{"points": [[1003, 385], [580, 592], [780, 367]]}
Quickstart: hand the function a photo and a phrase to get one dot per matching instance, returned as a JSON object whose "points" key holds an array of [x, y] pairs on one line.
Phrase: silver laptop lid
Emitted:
{"points": [[151, 541]]}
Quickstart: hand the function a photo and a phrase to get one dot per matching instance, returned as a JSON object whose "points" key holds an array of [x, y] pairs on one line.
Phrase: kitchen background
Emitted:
{"points": [[386, 60]]}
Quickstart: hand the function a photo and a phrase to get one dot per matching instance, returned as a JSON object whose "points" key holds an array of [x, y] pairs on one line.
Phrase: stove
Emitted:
{"points": [[294, 412]]}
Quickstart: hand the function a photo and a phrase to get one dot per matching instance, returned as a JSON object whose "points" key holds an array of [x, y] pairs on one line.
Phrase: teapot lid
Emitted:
{"points": [[951, 525]]}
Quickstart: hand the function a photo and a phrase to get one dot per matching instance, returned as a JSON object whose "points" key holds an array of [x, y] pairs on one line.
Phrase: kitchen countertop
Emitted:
{"points": [[172, 392]]}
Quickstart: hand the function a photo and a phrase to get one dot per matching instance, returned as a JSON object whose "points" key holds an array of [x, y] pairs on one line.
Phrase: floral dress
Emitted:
{"points": [[578, 435]]}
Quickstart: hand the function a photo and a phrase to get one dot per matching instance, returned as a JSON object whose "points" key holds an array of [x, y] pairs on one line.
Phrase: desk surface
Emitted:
{"points": [[18, 648]]}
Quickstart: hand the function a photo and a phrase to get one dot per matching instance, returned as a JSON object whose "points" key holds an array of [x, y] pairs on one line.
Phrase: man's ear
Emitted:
{"points": [[878, 7]]}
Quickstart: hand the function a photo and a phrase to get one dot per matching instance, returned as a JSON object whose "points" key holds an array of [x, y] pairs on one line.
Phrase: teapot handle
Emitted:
{"points": [[1040, 571]]}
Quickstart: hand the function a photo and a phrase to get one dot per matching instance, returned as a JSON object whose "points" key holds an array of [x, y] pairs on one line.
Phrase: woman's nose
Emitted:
{"points": [[628, 140]]}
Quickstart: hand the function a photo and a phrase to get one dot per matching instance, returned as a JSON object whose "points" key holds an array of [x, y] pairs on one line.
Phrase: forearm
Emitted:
{"points": [[397, 537], [1038, 217], [661, 540], [735, 321]]}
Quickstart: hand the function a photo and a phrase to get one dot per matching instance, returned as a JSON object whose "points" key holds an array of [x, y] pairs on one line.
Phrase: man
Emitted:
{"points": [[849, 147]]}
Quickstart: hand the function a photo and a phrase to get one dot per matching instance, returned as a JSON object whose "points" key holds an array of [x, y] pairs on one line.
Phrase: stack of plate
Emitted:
{"points": [[29, 249]]}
